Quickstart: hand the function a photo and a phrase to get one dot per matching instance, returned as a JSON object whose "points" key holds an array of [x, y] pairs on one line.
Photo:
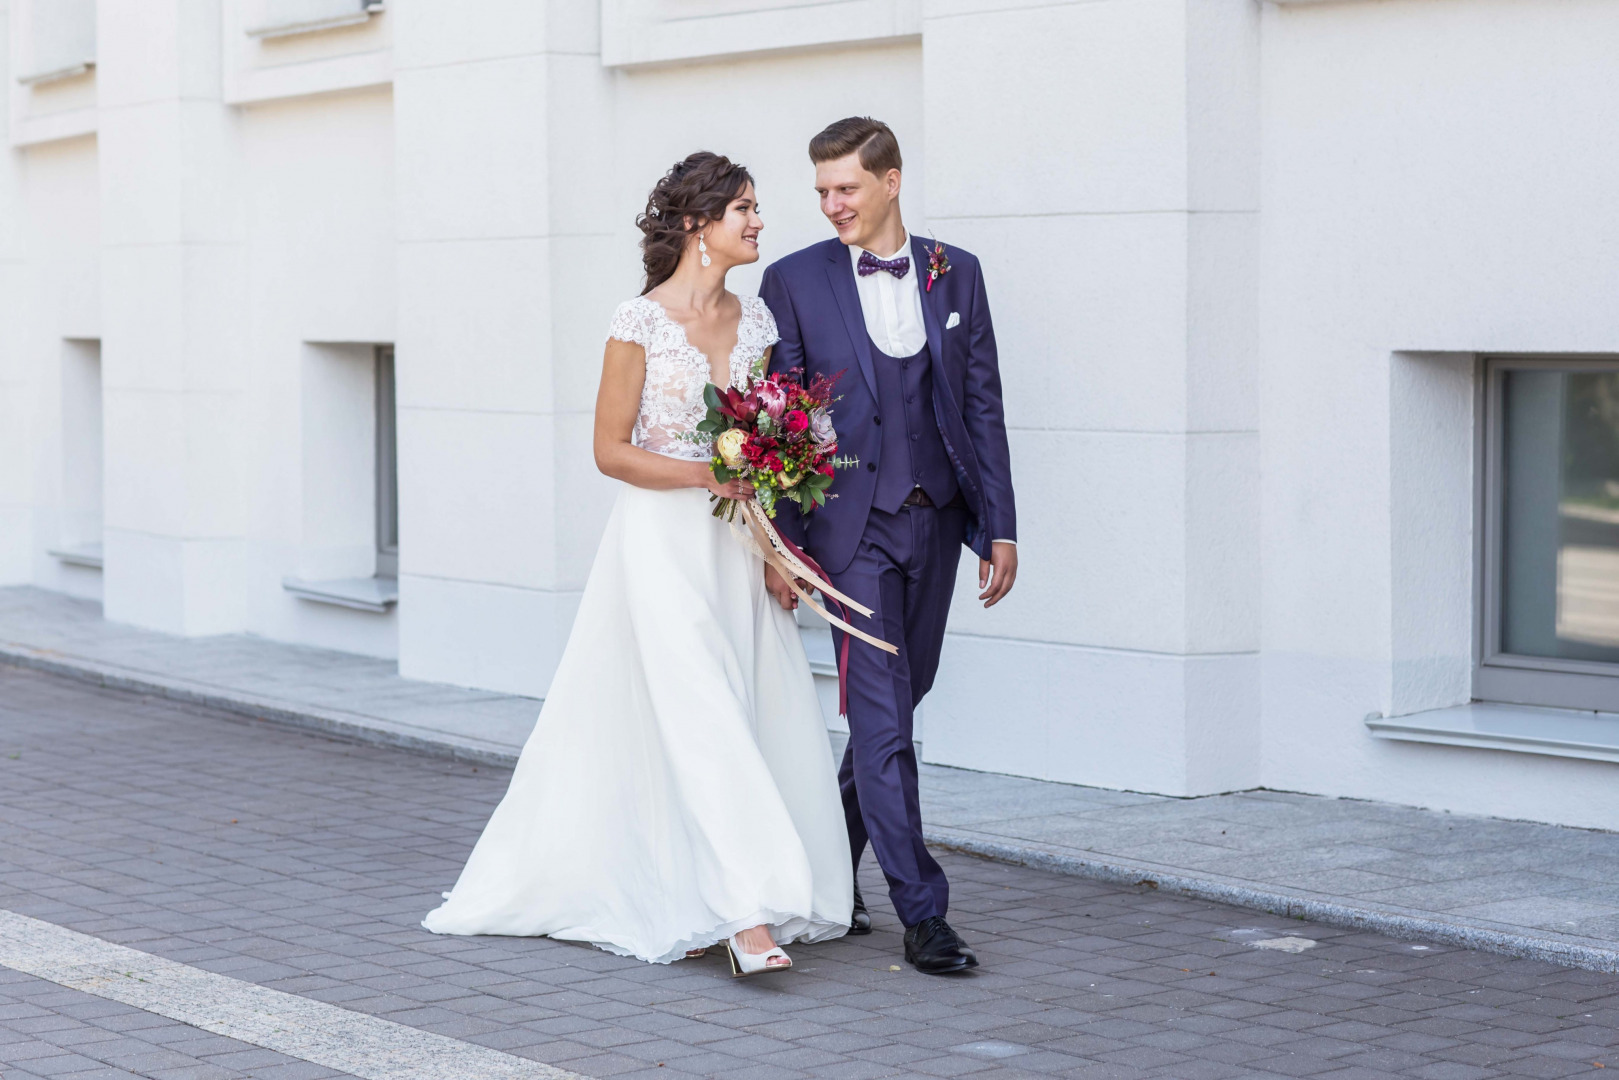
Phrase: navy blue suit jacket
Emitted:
{"points": [[812, 295]]}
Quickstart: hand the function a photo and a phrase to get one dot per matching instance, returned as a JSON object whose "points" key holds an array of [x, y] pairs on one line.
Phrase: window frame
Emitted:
{"points": [[387, 464], [1511, 677]]}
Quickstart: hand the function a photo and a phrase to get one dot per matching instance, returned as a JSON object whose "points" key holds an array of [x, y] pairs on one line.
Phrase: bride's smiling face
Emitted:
{"points": [[734, 239]]}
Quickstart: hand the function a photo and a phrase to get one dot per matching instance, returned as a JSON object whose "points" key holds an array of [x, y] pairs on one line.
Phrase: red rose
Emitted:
{"points": [[826, 470], [796, 421], [773, 463]]}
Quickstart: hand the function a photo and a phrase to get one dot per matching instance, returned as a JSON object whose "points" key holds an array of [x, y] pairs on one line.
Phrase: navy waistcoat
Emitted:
{"points": [[913, 453]]}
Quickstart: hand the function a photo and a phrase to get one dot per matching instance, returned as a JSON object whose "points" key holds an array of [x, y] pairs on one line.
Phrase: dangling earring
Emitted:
{"points": [[704, 249]]}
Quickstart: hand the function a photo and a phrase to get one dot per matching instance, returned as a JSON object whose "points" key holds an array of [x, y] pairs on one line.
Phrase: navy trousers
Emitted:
{"points": [[904, 570]]}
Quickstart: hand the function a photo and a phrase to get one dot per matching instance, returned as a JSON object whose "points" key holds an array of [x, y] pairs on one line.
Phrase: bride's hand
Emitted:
{"points": [[735, 489], [731, 489]]}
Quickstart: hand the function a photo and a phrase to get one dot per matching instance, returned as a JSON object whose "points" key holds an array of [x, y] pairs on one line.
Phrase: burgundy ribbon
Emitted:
{"points": [[843, 613]]}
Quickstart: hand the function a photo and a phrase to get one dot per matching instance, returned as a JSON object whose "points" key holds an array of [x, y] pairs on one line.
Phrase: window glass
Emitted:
{"points": [[387, 466], [1560, 514]]}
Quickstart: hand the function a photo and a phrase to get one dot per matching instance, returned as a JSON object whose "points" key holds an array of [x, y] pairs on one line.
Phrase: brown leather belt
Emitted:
{"points": [[917, 497]]}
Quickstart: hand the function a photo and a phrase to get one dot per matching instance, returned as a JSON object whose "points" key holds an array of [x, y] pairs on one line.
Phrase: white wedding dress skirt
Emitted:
{"points": [[679, 785]]}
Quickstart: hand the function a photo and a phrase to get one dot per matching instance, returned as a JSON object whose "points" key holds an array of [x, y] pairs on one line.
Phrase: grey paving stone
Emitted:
{"points": [[1559, 884], [121, 807]]}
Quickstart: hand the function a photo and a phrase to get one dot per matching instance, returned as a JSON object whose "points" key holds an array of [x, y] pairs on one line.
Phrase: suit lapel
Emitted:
{"points": [[840, 271], [930, 310]]}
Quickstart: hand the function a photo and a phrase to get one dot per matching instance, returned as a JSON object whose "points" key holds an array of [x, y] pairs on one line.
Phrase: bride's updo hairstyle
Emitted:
{"points": [[699, 188]]}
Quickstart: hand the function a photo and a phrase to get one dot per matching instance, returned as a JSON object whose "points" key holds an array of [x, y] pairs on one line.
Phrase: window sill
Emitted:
{"points": [[78, 555], [374, 594], [71, 71], [1526, 729], [314, 26]]}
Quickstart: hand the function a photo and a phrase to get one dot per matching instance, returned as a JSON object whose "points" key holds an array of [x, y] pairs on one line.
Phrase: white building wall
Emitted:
{"points": [[318, 197], [1242, 260], [1120, 260], [1437, 180], [16, 437]]}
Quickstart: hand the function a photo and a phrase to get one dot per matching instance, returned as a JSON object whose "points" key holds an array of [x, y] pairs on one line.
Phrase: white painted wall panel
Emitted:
{"points": [[481, 344], [478, 503], [471, 153], [1085, 110], [1090, 317]]}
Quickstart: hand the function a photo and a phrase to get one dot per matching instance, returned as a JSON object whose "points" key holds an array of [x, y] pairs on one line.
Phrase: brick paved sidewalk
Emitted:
{"points": [[304, 864], [1515, 887]]}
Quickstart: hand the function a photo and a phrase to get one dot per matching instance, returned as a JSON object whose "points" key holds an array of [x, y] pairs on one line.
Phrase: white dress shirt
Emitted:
{"points": [[892, 306]]}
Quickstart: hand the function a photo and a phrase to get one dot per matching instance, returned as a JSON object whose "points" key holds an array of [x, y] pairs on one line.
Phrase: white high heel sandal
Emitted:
{"points": [[746, 963]]}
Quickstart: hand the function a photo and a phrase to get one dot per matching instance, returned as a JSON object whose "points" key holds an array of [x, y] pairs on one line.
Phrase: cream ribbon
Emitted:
{"points": [[768, 544]]}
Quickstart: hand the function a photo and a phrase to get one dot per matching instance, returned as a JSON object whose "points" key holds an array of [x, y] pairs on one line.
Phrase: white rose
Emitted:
{"points": [[729, 446]]}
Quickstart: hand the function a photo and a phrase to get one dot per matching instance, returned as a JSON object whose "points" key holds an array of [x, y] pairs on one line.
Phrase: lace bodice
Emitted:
{"points": [[676, 371]]}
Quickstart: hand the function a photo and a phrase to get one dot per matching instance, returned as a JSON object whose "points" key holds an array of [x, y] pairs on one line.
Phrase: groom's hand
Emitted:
{"points": [[997, 573], [780, 590]]}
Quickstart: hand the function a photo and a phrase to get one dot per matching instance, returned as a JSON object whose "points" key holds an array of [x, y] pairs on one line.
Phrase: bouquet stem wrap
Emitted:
{"points": [[790, 561]]}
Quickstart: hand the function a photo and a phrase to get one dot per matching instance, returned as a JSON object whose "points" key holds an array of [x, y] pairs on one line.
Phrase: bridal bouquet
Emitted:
{"points": [[778, 436]]}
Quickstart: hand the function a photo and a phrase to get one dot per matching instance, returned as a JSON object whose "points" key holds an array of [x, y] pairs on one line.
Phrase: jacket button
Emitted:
{"points": [[877, 420], [871, 466]]}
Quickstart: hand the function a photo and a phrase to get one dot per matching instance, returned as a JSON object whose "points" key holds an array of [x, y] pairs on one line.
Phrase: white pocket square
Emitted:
{"points": [[954, 320]]}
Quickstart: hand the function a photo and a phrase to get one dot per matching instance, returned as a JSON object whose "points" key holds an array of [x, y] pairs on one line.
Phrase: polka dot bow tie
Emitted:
{"points": [[869, 264]]}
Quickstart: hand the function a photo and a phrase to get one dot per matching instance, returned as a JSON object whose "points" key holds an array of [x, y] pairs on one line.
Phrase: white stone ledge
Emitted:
{"points": [[288, 28], [375, 594], [78, 555], [638, 32], [52, 127], [1526, 729], [71, 71]]}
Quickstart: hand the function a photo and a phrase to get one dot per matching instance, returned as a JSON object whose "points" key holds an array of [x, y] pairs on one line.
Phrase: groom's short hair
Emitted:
{"points": [[873, 139]]}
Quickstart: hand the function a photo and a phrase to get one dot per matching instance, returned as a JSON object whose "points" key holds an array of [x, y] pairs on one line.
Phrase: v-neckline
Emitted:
{"points": [[685, 339]]}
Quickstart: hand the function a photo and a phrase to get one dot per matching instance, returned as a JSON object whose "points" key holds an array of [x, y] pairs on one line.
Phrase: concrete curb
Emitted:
{"points": [[1294, 904], [338, 723], [1298, 904]]}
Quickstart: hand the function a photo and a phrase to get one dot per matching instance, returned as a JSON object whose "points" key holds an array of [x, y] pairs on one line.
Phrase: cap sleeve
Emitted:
{"points": [[768, 333], [632, 322]]}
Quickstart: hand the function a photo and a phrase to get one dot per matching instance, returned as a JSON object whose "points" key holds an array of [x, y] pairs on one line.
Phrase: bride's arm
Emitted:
{"points": [[617, 403]]}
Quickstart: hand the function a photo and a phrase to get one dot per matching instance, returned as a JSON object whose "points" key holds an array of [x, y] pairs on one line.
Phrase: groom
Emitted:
{"points": [[907, 322]]}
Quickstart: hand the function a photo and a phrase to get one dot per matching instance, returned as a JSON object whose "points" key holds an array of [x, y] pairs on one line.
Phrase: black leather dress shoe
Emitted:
{"points": [[860, 920], [935, 949]]}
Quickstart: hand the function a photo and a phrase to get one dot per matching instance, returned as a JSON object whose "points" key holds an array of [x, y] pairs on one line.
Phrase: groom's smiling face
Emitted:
{"points": [[859, 204]]}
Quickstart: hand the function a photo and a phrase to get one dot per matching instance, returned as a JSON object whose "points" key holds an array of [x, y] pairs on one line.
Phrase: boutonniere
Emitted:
{"points": [[938, 265]]}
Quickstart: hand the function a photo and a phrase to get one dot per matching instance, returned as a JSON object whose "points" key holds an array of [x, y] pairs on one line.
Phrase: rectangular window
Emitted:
{"points": [[63, 42], [387, 467], [1549, 633]]}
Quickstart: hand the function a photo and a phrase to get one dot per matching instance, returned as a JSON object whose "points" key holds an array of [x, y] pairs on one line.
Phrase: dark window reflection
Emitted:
{"points": [[1560, 526]]}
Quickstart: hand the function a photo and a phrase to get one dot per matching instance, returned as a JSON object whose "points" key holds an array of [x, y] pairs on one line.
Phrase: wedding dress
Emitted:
{"points": [[678, 786]]}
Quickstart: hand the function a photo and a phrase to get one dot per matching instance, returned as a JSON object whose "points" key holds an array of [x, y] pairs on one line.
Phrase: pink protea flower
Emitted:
{"points": [[772, 399]]}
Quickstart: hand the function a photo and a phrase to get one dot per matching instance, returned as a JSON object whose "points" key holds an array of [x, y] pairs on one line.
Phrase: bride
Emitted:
{"points": [[678, 790]]}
